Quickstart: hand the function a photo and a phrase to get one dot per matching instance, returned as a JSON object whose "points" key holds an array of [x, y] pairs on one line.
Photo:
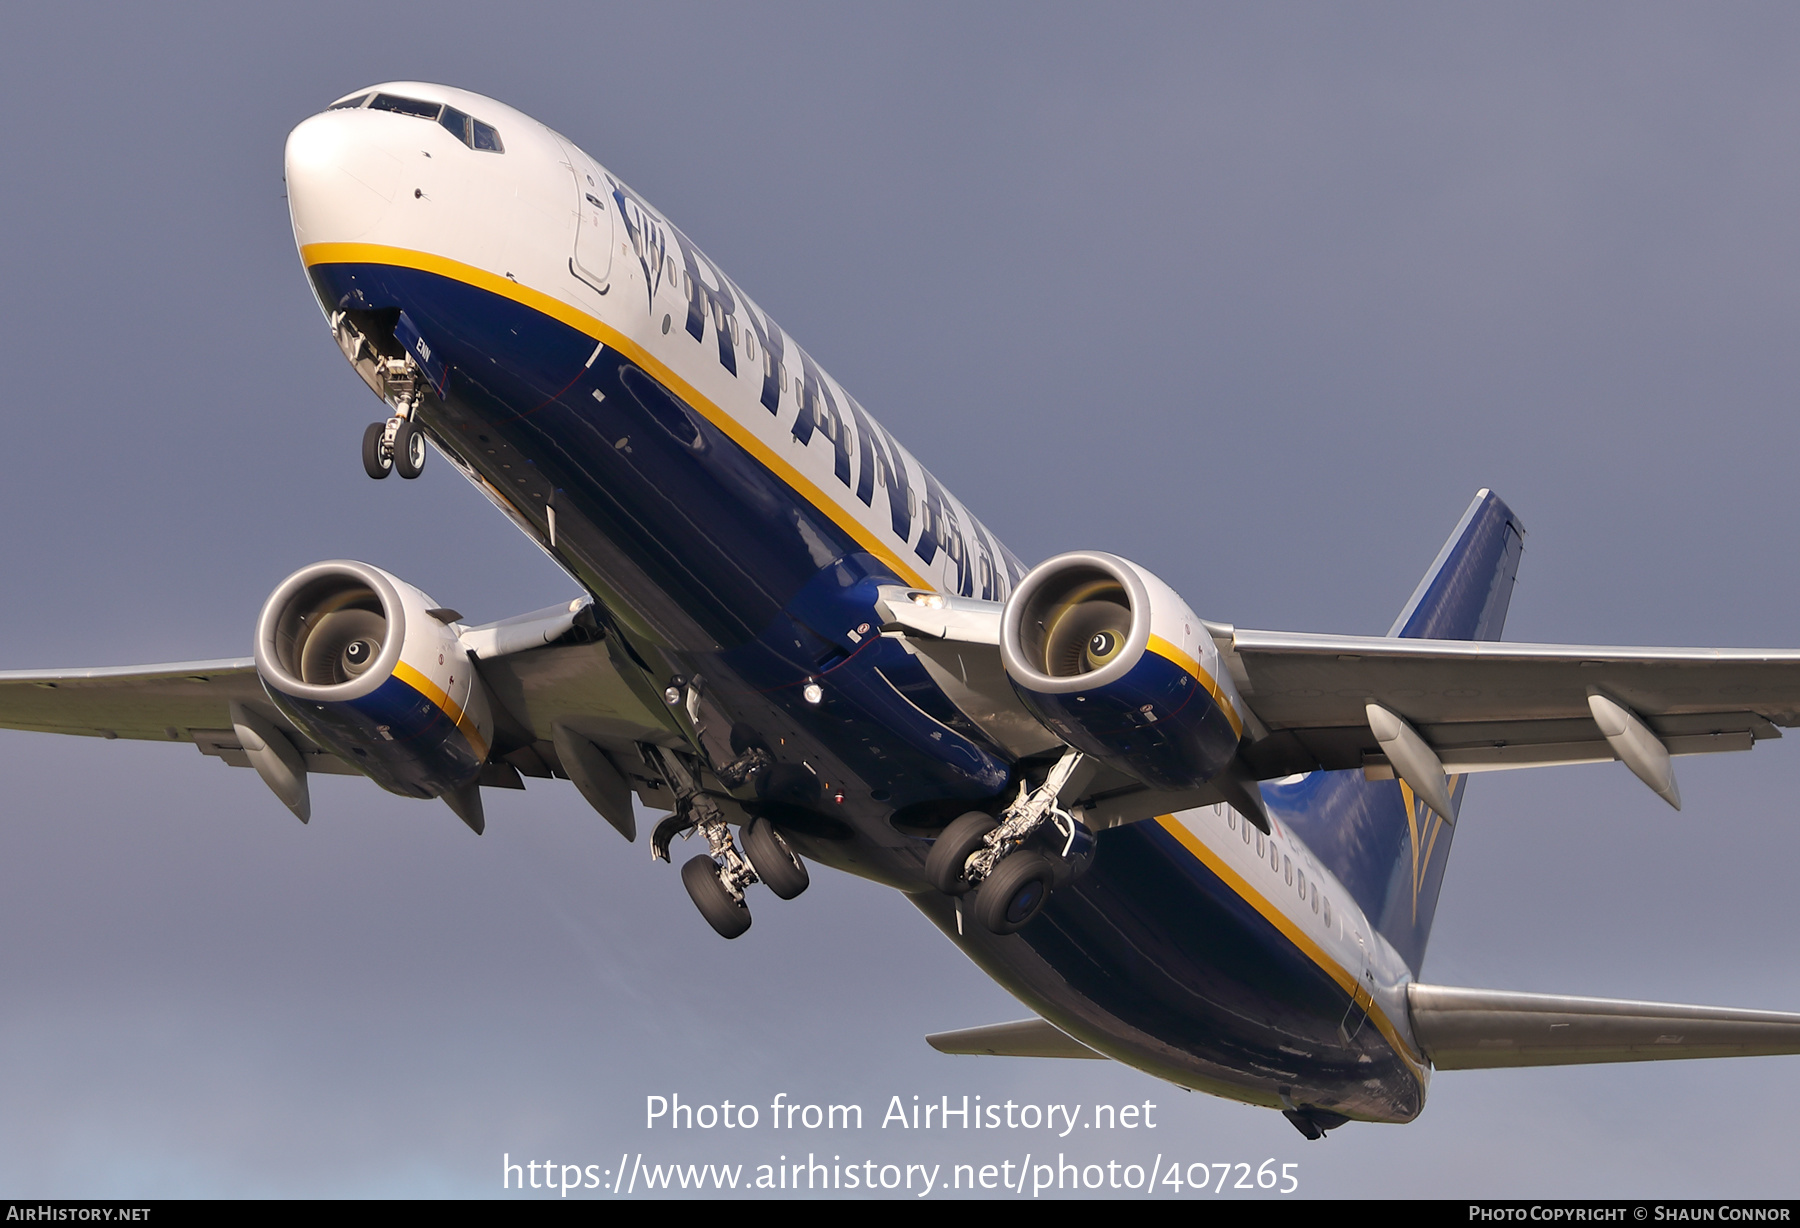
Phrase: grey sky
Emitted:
{"points": [[1256, 296]]}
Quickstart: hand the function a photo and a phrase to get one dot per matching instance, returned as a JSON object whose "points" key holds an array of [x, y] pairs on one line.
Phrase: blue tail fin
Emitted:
{"points": [[1386, 847]]}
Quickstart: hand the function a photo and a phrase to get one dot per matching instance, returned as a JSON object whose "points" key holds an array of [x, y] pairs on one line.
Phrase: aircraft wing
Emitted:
{"points": [[1483, 705], [155, 702], [1470, 705], [185, 701], [542, 691], [1480, 1029]]}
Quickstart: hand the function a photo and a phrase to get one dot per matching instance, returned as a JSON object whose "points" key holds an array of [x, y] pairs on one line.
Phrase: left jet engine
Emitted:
{"points": [[367, 665]]}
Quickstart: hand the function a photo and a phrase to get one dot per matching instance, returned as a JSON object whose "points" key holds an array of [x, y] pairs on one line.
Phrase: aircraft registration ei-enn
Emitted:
{"points": [[1211, 853]]}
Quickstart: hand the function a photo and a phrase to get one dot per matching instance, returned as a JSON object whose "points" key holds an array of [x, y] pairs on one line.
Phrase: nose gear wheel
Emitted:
{"points": [[394, 446], [378, 462], [409, 449]]}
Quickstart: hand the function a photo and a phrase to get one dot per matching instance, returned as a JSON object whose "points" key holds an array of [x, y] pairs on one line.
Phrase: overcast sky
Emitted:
{"points": [[1257, 296]]}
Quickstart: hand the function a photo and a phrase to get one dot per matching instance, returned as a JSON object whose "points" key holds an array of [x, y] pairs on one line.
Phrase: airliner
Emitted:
{"points": [[1208, 852]]}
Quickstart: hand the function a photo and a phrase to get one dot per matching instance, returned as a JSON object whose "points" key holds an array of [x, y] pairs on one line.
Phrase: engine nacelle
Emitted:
{"points": [[357, 659], [1117, 666]]}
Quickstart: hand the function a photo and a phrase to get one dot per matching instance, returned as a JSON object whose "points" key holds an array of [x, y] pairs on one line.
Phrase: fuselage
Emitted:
{"points": [[734, 510]]}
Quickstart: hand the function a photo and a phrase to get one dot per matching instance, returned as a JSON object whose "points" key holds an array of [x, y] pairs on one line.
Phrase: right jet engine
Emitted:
{"points": [[1116, 665]]}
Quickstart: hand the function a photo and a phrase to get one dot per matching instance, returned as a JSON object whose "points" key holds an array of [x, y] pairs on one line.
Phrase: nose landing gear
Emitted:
{"points": [[394, 446], [398, 444]]}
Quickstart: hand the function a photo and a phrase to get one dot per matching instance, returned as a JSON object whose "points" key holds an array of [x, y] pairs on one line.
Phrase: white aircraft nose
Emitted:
{"points": [[341, 178]]}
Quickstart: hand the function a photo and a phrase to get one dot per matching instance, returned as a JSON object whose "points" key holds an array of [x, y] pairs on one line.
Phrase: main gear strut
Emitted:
{"points": [[978, 850], [718, 879]]}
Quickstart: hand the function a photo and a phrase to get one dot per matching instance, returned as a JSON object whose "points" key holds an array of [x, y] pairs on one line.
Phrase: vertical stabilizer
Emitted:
{"points": [[1384, 844]]}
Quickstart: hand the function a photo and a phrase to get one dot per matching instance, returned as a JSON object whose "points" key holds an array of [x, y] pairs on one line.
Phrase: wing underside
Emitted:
{"points": [[186, 701], [1489, 705], [536, 691], [1478, 705]]}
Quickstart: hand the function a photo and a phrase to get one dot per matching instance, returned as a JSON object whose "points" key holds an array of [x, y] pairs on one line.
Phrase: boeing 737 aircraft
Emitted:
{"points": [[1208, 852]]}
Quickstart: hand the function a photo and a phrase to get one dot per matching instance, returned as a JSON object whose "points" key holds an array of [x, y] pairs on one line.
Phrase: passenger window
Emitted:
{"points": [[486, 138], [1246, 831], [1274, 856], [1315, 897], [1301, 875], [1327, 903], [1231, 820], [1287, 870], [1259, 844]]}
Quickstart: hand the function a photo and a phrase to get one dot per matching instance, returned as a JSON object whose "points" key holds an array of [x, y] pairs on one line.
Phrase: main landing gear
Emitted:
{"points": [[1011, 882], [718, 879]]}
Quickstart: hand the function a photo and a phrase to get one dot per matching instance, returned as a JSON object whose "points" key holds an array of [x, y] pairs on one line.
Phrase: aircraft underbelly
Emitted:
{"points": [[1151, 958], [724, 573], [732, 581]]}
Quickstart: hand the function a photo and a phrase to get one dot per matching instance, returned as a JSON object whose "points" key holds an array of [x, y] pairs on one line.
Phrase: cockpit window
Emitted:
{"points": [[465, 128], [486, 138], [405, 106], [455, 123], [349, 104]]}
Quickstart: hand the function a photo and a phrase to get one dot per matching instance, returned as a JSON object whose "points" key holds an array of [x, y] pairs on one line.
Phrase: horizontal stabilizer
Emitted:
{"points": [[1026, 1038], [1478, 1029]]}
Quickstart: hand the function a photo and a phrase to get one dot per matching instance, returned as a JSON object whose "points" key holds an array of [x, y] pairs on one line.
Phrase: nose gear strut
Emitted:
{"points": [[398, 444]]}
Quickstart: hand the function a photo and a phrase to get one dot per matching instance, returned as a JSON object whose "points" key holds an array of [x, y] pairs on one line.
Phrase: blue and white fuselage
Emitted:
{"points": [[735, 514]]}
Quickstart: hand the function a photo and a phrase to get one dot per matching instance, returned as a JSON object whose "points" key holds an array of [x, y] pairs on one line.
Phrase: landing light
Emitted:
{"points": [[814, 693]]}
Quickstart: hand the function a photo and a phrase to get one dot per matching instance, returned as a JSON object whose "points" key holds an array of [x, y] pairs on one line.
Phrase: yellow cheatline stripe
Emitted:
{"points": [[429, 689], [1168, 651], [1312, 950], [374, 253]]}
